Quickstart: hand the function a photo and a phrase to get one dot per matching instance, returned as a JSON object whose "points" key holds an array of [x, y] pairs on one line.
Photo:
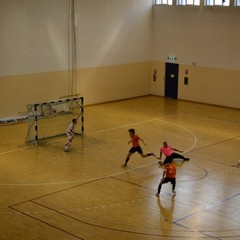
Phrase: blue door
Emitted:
{"points": [[171, 80]]}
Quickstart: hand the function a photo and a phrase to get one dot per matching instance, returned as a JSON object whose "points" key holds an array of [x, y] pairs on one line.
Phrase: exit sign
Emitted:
{"points": [[172, 58]]}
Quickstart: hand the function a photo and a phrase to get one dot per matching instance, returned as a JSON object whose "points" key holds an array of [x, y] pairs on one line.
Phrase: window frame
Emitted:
{"points": [[237, 3], [217, 3], [196, 3], [160, 2]]}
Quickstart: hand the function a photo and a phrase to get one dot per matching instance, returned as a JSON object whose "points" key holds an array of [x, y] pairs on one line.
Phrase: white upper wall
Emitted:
{"points": [[113, 32], [36, 35], [204, 35]]}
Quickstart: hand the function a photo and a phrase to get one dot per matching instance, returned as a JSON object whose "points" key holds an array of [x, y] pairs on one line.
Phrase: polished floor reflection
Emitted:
{"points": [[47, 193]]}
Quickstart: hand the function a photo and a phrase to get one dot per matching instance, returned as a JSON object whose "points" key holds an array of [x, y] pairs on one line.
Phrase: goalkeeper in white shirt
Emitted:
{"points": [[70, 134]]}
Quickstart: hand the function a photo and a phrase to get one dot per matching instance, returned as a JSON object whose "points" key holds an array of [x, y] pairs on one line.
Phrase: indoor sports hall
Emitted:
{"points": [[168, 69]]}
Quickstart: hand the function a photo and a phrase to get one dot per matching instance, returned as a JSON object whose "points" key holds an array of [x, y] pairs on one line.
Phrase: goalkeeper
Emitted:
{"points": [[70, 134]]}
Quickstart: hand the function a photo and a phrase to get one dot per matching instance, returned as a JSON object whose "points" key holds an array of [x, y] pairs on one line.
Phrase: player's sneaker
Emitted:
{"points": [[66, 149], [173, 191], [160, 163], [157, 194], [124, 165]]}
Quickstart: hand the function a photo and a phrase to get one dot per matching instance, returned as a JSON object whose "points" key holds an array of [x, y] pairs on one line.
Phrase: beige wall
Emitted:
{"points": [[205, 41], [119, 43], [114, 49], [17, 91], [157, 87], [113, 44], [210, 85], [206, 85], [96, 84], [207, 36], [108, 83]]}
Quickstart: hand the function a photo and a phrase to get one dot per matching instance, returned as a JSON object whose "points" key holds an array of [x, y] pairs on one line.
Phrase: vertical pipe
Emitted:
{"points": [[36, 124]]}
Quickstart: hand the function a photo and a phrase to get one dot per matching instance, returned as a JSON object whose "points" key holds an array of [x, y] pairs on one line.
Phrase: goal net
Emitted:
{"points": [[38, 54], [51, 119]]}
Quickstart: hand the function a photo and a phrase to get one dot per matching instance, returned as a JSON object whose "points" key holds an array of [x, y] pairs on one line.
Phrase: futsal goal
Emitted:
{"points": [[51, 119]]}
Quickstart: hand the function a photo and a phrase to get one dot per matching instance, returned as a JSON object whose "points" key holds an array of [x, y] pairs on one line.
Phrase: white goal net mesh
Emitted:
{"points": [[51, 119]]}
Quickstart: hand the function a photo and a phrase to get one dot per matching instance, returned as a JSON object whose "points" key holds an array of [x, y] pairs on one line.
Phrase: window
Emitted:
{"points": [[188, 2], [166, 2], [225, 3], [237, 3]]}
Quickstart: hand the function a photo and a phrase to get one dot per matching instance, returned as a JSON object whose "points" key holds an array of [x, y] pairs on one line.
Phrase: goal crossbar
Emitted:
{"points": [[51, 119]]}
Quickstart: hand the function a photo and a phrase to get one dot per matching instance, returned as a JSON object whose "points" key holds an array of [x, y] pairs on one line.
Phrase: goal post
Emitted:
{"points": [[51, 119]]}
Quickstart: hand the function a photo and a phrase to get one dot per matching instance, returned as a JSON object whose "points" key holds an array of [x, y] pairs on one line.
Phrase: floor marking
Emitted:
{"points": [[90, 133], [133, 201], [207, 207], [138, 200], [212, 119], [204, 208], [111, 175], [194, 136], [84, 208], [15, 150]]}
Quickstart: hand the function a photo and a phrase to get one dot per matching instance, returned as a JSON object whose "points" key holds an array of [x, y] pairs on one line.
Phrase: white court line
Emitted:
{"points": [[114, 174], [15, 150], [194, 136], [212, 119], [133, 124], [91, 133], [77, 181]]}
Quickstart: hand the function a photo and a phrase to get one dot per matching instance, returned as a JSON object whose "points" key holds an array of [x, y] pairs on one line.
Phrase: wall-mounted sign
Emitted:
{"points": [[172, 58]]}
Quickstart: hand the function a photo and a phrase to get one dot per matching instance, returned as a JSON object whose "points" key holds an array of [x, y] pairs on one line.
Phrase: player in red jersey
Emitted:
{"points": [[136, 146], [169, 175]]}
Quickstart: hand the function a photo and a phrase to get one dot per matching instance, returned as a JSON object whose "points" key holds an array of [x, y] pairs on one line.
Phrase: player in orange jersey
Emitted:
{"points": [[169, 175], [136, 146]]}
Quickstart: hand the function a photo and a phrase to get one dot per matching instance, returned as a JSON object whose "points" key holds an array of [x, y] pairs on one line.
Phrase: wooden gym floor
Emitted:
{"points": [[47, 193]]}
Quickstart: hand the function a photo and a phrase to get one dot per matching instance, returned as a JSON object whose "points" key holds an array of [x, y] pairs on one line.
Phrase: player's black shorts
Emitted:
{"points": [[171, 180], [168, 159], [136, 149]]}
